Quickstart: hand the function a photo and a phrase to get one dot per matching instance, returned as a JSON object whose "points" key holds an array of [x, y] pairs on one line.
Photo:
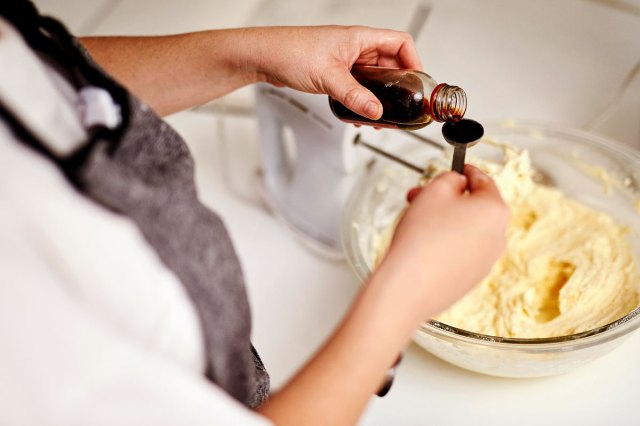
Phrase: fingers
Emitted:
{"points": [[375, 47], [341, 86], [480, 182], [397, 49], [449, 182], [408, 54], [474, 180]]}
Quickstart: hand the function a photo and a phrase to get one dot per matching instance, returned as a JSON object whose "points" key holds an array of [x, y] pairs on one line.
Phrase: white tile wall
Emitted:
{"points": [[376, 13], [150, 17], [80, 16], [137, 17], [550, 61]]}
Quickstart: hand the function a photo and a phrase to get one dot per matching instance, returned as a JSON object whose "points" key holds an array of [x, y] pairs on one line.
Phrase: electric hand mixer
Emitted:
{"points": [[307, 184]]}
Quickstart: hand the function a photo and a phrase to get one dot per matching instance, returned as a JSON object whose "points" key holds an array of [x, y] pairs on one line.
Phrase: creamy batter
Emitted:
{"points": [[568, 268]]}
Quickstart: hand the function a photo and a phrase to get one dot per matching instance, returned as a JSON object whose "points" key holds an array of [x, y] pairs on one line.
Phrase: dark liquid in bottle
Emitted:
{"points": [[401, 94]]}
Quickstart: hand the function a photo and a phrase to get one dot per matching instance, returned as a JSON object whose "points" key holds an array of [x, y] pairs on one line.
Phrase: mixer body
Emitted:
{"points": [[309, 163]]}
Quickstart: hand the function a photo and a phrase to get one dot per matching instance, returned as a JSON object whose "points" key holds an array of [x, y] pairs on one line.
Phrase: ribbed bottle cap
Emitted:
{"points": [[448, 103]]}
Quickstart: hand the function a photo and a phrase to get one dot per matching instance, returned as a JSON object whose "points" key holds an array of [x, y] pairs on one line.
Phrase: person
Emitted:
{"points": [[121, 301]]}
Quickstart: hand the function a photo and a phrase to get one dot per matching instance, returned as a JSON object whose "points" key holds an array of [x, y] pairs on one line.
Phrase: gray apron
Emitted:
{"points": [[142, 169]]}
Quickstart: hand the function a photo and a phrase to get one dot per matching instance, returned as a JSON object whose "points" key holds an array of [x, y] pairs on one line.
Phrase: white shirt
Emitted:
{"points": [[94, 329]]}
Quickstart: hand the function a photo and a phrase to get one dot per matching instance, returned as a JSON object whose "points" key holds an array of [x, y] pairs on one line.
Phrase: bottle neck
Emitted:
{"points": [[448, 103]]}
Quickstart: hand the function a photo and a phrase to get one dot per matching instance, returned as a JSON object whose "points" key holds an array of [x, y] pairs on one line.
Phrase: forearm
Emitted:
{"points": [[335, 386], [172, 73]]}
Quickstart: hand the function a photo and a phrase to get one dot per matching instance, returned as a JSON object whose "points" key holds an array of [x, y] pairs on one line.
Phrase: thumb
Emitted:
{"points": [[451, 182], [342, 87], [479, 182]]}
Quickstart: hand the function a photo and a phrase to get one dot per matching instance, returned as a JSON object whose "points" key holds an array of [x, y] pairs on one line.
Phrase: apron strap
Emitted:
{"points": [[51, 38]]}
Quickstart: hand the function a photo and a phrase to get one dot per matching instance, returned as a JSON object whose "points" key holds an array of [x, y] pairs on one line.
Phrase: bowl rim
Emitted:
{"points": [[598, 335]]}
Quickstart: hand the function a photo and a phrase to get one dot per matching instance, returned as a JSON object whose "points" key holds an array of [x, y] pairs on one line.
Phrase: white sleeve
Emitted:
{"points": [[62, 365]]}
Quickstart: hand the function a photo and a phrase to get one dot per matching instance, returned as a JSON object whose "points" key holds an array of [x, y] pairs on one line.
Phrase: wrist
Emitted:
{"points": [[410, 284], [247, 54], [231, 52]]}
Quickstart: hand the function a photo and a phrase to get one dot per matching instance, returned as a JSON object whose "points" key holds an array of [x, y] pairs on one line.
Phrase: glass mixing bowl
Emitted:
{"points": [[571, 160]]}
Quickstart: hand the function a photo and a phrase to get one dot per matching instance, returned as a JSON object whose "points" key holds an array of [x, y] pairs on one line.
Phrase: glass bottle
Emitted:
{"points": [[410, 99]]}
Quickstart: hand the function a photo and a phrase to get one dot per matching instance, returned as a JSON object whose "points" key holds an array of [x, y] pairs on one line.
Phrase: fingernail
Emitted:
{"points": [[371, 109], [413, 193]]}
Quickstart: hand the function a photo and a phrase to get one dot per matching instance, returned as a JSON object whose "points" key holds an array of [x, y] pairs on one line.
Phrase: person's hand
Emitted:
{"points": [[172, 73], [319, 60], [450, 236]]}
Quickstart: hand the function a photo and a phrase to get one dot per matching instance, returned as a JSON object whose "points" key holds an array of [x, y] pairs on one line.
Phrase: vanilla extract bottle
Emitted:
{"points": [[410, 99]]}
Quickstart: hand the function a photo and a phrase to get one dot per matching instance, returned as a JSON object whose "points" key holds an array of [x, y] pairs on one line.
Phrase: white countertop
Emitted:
{"points": [[297, 298], [551, 61]]}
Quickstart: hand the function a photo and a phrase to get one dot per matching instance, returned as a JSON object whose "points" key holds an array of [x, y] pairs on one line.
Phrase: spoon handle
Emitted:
{"points": [[459, 152]]}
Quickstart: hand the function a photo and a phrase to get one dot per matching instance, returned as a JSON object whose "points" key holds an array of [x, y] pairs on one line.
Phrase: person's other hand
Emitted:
{"points": [[450, 236], [319, 60]]}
